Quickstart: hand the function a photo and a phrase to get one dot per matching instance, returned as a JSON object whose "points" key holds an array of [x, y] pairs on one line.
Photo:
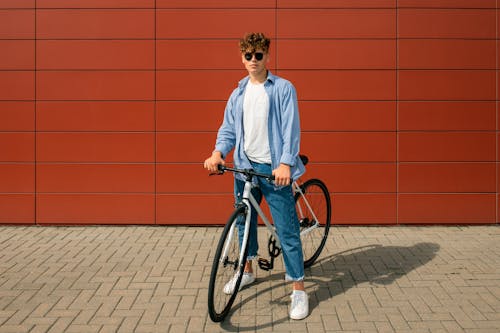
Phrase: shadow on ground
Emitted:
{"points": [[334, 275]]}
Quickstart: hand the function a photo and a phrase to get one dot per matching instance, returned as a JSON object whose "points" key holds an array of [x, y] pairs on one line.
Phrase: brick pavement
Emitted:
{"points": [[154, 279]]}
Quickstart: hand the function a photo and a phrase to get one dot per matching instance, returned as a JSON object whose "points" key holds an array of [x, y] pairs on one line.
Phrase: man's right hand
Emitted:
{"points": [[213, 161]]}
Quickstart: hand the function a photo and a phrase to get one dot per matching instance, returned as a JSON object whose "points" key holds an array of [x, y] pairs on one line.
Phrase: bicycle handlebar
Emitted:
{"points": [[247, 172]]}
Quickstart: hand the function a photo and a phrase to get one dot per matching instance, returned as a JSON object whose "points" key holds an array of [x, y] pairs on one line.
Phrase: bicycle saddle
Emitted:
{"points": [[304, 159]]}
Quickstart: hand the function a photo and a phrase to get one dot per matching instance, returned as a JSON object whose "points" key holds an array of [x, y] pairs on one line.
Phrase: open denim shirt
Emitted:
{"points": [[283, 123]]}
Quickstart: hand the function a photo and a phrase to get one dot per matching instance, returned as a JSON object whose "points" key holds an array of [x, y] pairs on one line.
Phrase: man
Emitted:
{"points": [[261, 123]]}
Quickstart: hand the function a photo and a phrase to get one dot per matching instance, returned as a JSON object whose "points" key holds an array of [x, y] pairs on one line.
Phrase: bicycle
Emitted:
{"points": [[312, 201]]}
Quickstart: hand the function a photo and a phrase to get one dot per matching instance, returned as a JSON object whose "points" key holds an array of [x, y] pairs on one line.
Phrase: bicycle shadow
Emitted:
{"points": [[335, 274]]}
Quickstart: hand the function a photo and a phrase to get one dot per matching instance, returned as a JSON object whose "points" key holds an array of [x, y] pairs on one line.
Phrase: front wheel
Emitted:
{"points": [[227, 265], [314, 212]]}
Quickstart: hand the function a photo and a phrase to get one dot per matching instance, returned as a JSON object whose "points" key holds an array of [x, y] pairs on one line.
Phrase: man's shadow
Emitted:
{"points": [[337, 273]]}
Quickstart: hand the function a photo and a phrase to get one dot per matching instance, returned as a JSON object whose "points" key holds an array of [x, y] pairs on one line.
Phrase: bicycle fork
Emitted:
{"points": [[233, 232]]}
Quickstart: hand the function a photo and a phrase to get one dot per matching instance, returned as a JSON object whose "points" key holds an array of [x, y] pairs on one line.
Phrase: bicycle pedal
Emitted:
{"points": [[265, 264]]}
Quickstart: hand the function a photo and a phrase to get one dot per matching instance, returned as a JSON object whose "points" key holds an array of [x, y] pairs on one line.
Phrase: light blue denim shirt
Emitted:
{"points": [[283, 123]]}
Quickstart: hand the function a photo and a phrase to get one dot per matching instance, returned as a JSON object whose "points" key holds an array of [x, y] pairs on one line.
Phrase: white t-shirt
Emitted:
{"points": [[255, 123]]}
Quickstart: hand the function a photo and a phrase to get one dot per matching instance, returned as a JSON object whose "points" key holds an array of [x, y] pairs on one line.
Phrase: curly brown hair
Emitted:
{"points": [[253, 41]]}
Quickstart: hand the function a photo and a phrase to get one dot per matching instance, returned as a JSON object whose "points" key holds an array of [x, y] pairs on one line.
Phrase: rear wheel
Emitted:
{"points": [[227, 264], [314, 212]]}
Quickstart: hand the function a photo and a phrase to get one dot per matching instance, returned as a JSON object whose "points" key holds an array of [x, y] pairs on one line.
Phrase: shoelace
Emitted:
{"points": [[296, 298]]}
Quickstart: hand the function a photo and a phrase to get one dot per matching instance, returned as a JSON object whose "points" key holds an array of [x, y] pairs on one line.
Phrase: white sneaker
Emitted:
{"points": [[300, 305], [247, 279]]}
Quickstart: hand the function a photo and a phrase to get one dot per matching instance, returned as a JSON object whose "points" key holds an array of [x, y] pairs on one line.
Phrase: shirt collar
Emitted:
{"points": [[243, 83]]}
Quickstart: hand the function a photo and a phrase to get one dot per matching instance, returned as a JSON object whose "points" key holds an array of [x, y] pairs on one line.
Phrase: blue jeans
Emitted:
{"points": [[282, 207]]}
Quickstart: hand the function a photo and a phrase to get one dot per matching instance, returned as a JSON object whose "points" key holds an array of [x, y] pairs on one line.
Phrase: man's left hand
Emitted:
{"points": [[282, 175]]}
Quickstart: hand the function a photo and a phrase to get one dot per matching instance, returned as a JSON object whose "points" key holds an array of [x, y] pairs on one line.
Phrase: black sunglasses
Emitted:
{"points": [[258, 56]]}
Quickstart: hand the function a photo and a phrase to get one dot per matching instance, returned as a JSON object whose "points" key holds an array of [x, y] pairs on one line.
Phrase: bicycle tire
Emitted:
{"points": [[317, 195], [223, 269]]}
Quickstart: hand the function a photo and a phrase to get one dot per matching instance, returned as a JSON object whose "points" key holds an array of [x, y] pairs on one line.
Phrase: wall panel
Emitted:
{"points": [[95, 178], [95, 54], [211, 23], [197, 54], [359, 85], [172, 178], [76, 116], [447, 116], [95, 4], [95, 85], [175, 147], [347, 116], [10, 4], [17, 208], [95, 147], [336, 54], [17, 116], [189, 115], [197, 4], [95, 208], [447, 177], [17, 178], [196, 85], [447, 23], [447, 146], [447, 85], [447, 208], [355, 177], [23, 89], [447, 3], [447, 54], [17, 54], [17, 147], [350, 146], [336, 4], [364, 209], [94, 23], [178, 208], [17, 24], [336, 23]]}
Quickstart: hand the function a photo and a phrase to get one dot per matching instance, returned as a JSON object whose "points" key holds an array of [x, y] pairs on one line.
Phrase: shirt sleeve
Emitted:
{"points": [[290, 125], [226, 136]]}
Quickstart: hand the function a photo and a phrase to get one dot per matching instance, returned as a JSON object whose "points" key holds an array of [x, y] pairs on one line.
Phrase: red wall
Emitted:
{"points": [[109, 107]]}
